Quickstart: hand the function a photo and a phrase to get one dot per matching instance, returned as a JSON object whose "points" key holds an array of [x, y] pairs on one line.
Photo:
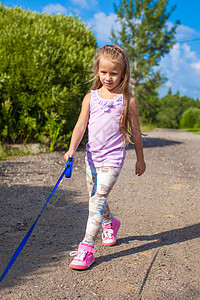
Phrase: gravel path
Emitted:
{"points": [[157, 252]]}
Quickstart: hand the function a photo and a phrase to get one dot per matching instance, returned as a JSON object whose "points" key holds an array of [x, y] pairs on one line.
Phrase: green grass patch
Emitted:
{"points": [[147, 127], [5, 153], [194, 130], [11, 152]]}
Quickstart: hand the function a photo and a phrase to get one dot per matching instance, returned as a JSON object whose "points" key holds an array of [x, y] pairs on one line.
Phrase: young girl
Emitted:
{"points": [[111, 114]]}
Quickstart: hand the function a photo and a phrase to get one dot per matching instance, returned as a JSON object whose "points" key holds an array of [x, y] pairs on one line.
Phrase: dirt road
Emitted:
{"points": [[158, 249]]}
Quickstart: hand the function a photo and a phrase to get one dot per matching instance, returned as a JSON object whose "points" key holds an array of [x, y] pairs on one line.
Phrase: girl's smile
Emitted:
{"points": [[110, 74]]}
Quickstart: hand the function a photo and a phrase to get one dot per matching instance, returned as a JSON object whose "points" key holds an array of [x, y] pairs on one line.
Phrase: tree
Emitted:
{"points": [[170, 110], [44, 67], [146, 37]]}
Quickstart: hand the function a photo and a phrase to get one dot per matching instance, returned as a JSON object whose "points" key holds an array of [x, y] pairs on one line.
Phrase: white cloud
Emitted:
{"points": [[184, 33], [182, 68], [55, 9], [196, 65], [175, 54], [182, 65], [102, 26], [188, 53], [85, 3]]}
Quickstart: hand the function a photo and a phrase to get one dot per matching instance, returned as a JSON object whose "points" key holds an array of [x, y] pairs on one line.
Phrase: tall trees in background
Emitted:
{"points": [[146, 36], [175, 111]]}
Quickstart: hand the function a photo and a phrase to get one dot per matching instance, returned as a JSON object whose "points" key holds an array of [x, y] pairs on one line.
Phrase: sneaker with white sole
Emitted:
{"points": [[84, 257], [110, 232]]}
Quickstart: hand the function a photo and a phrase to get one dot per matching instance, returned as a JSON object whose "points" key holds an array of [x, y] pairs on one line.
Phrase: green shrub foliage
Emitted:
{"points": [[44, 70], [172, 107], [190, 118]]}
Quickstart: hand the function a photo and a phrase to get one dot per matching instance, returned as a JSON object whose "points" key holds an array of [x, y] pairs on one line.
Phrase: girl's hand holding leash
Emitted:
{"points": [[69, 153]]}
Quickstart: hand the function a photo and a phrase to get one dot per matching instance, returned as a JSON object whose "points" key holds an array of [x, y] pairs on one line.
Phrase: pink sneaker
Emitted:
{"points": [[110, 232], [84, 257]]}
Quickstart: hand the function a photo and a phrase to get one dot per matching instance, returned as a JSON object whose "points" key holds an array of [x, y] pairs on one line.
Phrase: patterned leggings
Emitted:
{"points": [[99, 182]]}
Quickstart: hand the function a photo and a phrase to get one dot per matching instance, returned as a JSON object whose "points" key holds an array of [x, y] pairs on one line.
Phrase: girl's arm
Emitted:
{"points": [[80, 127], [136, 135]]}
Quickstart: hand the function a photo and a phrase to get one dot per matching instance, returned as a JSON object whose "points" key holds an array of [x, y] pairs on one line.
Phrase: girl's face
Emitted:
{"points": [[110, 74]]}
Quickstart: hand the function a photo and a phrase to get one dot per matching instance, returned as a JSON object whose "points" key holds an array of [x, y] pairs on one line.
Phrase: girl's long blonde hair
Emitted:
{"points": [[116, 53]]}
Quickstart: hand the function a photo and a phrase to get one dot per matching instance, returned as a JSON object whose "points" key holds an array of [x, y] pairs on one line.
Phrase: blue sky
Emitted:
{"points": [[181, 66]]}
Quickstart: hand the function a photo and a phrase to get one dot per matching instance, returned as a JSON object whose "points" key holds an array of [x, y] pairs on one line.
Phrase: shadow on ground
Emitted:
{"points": [[12, 165], [170, 237], [54, 235], [149, 142]]}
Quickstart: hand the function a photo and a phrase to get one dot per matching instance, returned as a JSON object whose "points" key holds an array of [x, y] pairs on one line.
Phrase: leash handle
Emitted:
{"points": [[25, 239], [69, 167]]}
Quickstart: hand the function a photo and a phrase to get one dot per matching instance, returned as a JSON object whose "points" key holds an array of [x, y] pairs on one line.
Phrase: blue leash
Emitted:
{"points": [[67, 172]]}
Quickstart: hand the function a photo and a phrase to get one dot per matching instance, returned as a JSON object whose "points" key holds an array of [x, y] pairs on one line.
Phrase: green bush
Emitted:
{"points": [[44, 63], [2, 152], [171, 108], [190, 118]]}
